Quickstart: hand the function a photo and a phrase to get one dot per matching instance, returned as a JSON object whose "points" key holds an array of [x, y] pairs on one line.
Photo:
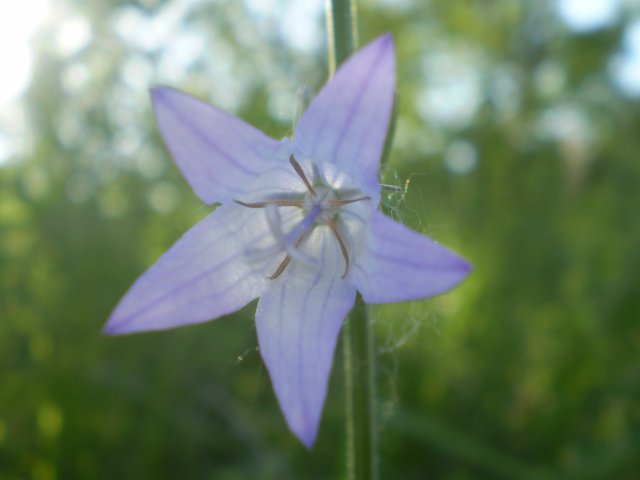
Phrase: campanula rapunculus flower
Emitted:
{"points": [[298, 227]]}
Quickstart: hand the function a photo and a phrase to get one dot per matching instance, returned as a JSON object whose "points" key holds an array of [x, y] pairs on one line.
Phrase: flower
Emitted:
{"points": [[298, 227]]}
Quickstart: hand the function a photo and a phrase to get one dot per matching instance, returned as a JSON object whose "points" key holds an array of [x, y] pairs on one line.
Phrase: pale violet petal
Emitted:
{"points": [[346, 124], [298, 321], [218, 153], [201, 277], [399, 264]]}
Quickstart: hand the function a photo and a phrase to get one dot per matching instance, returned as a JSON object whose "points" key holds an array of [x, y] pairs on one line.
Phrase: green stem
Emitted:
{"points": [[359, 369], [342, 31], [359, 361]]}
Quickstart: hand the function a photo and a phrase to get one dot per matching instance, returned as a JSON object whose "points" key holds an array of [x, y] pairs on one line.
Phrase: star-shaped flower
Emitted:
{"points": [[298, 227]]}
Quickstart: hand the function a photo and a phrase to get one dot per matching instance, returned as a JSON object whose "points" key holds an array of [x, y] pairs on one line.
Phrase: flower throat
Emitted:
{"points": [[320, 205]]}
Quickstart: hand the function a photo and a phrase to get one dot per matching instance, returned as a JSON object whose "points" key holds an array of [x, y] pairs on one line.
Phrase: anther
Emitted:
{"points": [[285, 263], [343, 247], [278, 203], [281, 268], [296, 166], [339, 203]]}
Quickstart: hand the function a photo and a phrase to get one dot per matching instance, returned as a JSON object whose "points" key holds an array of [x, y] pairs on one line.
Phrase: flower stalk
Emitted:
{"points": [[359, 361], [342, 30], [359, 369]]}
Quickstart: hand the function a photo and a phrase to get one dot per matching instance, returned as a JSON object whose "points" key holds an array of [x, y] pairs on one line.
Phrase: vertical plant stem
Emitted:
{"points": [[359, 365], [359, 369], [342, 30]]}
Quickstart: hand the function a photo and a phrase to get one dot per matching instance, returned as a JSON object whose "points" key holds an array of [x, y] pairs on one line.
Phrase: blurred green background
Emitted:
{"points": [[517, 144]]}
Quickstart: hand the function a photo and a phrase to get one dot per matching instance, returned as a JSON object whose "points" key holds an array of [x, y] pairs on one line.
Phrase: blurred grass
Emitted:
{"points": [[529, 370]]}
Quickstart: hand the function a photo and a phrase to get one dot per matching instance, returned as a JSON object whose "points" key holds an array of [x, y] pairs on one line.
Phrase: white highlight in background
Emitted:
{"points": [[588, 15], [19, 22]]}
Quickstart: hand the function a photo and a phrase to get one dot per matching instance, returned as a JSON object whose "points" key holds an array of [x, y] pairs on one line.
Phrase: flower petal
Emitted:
{"points": [[217, 153], [399, 264], [298, 321], [201, 277], [346, 124]]}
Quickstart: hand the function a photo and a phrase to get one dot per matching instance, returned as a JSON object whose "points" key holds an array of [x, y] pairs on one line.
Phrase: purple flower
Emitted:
{"points": [[298, 227]]}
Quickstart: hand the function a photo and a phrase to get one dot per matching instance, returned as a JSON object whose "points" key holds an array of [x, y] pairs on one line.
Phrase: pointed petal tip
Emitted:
{"points": [[468, 266], [306, 435], [308, 442], [386, 39], [110, 329], [460, 263], [119, 327], [459, 268], [465, 268], [161, 92], [383, 43], [115, 326], [119, 323], [157, 90]]}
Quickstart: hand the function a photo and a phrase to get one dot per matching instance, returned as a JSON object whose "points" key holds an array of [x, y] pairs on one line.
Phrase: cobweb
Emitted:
{"points": [[397, 325]]}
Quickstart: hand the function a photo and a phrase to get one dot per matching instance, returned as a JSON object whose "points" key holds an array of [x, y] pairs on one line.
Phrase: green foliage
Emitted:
{"points": [[529, 370]]}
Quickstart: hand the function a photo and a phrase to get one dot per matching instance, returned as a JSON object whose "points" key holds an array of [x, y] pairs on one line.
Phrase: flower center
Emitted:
{"points": [[324, 205]]}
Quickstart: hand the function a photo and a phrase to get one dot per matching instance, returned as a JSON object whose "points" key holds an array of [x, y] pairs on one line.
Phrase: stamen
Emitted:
{"points": [[315, 211], [278, 203], [343, 247], [281, 268], [296, 166], [339, 203], [346, 192], [285, 263], [286, 241]]}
